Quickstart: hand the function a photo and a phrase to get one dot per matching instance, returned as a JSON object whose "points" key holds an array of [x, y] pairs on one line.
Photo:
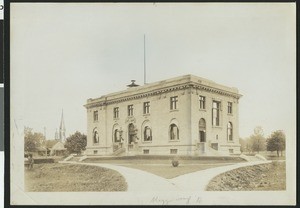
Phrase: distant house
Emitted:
{"points": [[40, 151], [58, 149]]}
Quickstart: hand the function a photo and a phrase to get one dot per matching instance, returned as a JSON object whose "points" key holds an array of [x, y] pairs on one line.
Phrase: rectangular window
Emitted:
{"points": [[231, 151], [146, 107], [202, 102], [173, 151], [95, 115], [173, 102], [216, 113], [130, 110], [146, 151], [230, 107], [95, 152], [116, 112]]}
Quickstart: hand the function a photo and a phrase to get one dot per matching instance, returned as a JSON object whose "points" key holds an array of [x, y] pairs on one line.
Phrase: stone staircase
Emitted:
{"points": [[119, 152]]}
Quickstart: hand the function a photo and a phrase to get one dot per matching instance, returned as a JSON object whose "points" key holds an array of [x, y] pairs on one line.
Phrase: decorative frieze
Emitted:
{"points": [[162, 92]]}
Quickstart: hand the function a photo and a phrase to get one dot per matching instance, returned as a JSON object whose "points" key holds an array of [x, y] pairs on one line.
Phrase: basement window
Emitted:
{"points": [[173, 151]]}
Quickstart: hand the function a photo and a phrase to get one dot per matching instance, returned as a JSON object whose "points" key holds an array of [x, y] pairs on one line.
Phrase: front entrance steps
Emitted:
{"points": [[119, 152]]}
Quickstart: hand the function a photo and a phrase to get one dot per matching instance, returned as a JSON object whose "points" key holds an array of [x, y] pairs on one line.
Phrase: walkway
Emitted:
{"points": [[138, 180]]}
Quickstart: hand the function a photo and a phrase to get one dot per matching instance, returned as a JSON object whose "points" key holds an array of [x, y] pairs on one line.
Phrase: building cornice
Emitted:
{"points": [[191, 85]]}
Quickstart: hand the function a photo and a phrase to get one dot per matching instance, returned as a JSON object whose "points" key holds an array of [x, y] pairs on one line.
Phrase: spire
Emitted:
{"points": [[62, 123], [62, 128]]}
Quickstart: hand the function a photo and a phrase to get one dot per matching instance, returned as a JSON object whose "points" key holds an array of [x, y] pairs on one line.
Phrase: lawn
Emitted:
{"points": [[162, 166], [264, 177], [168, 171], [55, 177]]}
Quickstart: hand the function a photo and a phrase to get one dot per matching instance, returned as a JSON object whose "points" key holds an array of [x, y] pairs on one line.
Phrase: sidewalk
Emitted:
{"points": [[138, 180]]}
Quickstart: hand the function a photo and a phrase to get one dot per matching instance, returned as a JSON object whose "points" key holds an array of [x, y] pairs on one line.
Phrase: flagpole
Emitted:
{"points": [[144, 59]]}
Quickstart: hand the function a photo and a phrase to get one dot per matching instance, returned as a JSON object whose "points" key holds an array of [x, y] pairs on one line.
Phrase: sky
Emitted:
{"points": [[63, 54]]}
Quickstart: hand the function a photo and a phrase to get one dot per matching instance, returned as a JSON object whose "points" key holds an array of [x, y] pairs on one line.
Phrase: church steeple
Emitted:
{"points": [[62, 128]]}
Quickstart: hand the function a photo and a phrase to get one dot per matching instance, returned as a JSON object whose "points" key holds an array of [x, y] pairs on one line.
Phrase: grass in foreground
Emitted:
{"points": [[264, 177], [65, 177]]}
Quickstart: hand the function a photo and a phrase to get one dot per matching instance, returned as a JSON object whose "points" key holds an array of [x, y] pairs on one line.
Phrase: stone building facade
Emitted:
{"points": [[186, 115]]}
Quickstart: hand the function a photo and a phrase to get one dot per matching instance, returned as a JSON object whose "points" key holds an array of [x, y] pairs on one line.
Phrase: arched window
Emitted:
{"points": [[95, 136], [117, 135], [229, 131], [147, 134], [202, 130], [174, 132]]}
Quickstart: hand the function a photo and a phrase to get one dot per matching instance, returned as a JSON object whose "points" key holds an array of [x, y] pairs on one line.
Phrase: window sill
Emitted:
{"points": [[217, 127], [174, 140], [229, 114], [116, 119], [95, 144], [174, 110], [202, 109], [96, 121], [146, 141], [146, 114]]}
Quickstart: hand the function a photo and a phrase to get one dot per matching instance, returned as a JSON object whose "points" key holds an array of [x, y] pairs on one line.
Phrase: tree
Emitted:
{"points": [[32, 140], [76, 143], [243, 143], [276, 142], [257, 140]]}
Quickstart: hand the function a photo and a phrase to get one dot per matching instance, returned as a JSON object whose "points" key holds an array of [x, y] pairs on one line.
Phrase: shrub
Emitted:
{"points": [[175, 162]]}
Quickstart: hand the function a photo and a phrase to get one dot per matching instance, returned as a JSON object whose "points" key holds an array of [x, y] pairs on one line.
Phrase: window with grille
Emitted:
{"points": [[173, 151], [229, 108], [216, 113], [173, 102], [116, 112], [146, 107], [229, 131], [95, 115], [130, 110], [202, 102]]}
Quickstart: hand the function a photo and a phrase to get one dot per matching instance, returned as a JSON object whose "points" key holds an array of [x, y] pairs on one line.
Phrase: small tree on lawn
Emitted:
{"points": [[76, 143], [257, 140], [243, 143], [276, 142]]}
